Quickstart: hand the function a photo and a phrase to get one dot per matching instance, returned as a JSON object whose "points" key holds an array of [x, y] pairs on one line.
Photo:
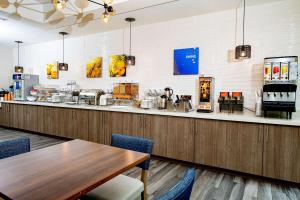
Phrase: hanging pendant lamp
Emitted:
{"points": [[243, 51], [63, 66], [130, 59], [18, 68]]}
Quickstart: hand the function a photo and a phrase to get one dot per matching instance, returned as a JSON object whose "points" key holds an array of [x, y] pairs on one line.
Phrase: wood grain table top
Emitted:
{"points": [[63, 171]]}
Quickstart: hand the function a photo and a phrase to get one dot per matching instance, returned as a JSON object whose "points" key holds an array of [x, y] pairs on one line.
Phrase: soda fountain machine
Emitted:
{"points": [[280, 85]]}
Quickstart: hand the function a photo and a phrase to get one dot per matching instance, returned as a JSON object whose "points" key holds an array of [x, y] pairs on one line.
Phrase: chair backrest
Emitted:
{"points": [[183, 189], [14, 147], [135, 144]]}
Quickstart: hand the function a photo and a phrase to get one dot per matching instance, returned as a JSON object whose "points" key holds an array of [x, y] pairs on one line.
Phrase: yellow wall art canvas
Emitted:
{"points": [[117, 66], [52, 71], [94, 68]]}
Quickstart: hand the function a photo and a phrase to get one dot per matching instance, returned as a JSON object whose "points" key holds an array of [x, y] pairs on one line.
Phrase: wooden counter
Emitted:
{"points": [[255, 148]]}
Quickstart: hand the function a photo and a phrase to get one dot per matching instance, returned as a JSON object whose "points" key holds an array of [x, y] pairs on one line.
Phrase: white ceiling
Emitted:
{"points": [[32, 27]]}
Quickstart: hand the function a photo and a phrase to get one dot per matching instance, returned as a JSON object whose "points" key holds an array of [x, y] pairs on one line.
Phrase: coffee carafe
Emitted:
{"points": [[168, 93], [162, 102]]}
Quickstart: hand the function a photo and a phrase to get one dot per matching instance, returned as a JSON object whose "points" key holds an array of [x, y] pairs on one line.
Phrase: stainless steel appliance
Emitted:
{"points": [[89, 97], [168, 93], [184, 103], [22, 85], [169, 99], [162, 102], [106, 100], [206, 94], [279, 97], [231, 101], [279, 90], [147, 104], [58, 98]]}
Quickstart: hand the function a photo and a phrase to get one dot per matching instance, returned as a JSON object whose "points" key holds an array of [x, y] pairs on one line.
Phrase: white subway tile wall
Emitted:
{"points": [[6, 63], [272, 30]]}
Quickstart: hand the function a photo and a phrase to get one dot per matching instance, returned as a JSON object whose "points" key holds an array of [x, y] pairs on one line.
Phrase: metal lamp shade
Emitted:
{"points": [[63, 66], [19, 69], [243, 52], [130, 60]]}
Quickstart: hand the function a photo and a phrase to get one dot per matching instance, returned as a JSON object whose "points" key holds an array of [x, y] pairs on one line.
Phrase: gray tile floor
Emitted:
{"points": [[209, 185]]}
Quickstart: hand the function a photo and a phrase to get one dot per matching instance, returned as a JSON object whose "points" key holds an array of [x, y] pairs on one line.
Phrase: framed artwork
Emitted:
{"points": [[186, 61], [94, 68], [117, 66], [52, 71]]}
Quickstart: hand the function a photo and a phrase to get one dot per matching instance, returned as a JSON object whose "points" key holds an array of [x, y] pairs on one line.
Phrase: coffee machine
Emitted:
{"points": [[206, 94], [280, 85]]}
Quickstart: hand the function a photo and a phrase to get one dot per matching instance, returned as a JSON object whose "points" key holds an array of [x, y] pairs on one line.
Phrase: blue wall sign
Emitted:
{"points": [[186, 61]]}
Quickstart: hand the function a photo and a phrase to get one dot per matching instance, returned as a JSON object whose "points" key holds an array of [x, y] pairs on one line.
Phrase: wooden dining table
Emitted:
{"points": [[64, 171]]}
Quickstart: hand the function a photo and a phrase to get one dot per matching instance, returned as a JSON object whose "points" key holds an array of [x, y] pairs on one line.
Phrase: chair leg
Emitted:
{"points": [[144, 180]]}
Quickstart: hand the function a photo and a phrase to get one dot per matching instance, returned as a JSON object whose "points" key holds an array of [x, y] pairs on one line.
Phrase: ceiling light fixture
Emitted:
{"points": [[105, 17], [108, 1], [18, 68], [63, 66], [243, 51], [59, 4], [108, 9], [130, 59]]}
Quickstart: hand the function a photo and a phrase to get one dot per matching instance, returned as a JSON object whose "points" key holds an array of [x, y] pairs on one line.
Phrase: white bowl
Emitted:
{"points": [[31, 98]]}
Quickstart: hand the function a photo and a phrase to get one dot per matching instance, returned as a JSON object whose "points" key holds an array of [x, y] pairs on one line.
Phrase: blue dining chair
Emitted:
{"points": [[123, 187], [14, 147], [183, 189]]}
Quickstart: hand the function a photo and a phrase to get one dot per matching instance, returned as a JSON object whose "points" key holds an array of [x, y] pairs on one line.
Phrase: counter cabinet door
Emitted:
{"points": [[30, 118], [210, 143], [99, 127], [156, 128], [80, 124], [128, 123], [48, 120], [245, 147], [4, 115], [173, 136], [67, 123], [229, 145], [282, 153], [180, 138], [17, 115]]}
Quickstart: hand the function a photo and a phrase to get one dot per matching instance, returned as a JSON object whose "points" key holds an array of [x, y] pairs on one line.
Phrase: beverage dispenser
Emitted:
{"points": [[280, 85], [23, 84]]}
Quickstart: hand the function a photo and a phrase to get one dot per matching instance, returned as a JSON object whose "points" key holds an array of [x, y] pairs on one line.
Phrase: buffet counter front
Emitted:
{"points": [[238, 142]]}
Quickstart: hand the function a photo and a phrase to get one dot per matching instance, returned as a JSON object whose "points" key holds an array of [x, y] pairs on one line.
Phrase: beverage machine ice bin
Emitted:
{"points": [[280, 85], [23, 83]]}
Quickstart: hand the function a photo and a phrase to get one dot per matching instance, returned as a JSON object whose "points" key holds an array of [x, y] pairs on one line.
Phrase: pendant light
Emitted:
{"points": [[63, 66], [18, 68], [59, 4], [130, 59], [243, 51]]}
